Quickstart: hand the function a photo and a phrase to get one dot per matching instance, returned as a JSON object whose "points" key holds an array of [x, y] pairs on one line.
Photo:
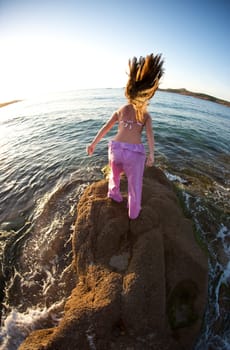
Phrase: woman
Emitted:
{"points": [[126, 152]]}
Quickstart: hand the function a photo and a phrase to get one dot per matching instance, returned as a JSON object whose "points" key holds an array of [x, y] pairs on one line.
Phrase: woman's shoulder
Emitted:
{"points": [[125, 108], [147, 115], [147, 119], [123, 111]]}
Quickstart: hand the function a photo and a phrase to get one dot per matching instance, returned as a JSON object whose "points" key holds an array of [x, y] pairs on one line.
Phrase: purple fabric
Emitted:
{"points": [[129, 158]]}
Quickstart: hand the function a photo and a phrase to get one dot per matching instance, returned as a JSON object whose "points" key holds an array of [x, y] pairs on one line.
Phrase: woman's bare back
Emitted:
{"points": [[129, 129]]}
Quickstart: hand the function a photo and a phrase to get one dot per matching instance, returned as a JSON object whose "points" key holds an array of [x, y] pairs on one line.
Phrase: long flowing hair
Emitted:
{"points": [[144, 77]]}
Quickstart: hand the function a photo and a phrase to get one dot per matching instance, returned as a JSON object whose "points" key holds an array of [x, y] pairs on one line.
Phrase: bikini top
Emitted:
{"points": [[129, 123]]}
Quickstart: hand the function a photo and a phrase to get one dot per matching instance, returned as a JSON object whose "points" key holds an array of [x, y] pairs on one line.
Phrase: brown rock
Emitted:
{"points": [[142, 284]]}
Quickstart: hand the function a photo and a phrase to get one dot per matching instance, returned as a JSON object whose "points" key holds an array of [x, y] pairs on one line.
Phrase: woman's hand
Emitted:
{"points": [[101, 133], [90, 149], [150, 160]]}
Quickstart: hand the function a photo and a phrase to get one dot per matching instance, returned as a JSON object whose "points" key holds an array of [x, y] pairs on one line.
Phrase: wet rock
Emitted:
{"points": [[142, 284]]}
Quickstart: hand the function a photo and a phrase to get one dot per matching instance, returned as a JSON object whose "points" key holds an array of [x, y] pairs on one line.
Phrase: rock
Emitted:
{"points": [[142, 284]]}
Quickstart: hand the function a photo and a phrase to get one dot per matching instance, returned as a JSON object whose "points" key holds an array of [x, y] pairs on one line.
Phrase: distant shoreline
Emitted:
{"points": [[197, 95], [181, 91], [9, 103]]}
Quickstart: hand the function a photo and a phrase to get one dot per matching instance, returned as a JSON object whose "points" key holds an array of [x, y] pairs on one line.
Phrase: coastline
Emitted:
{"points": [[181, 91], [8, 103], [202, 96]]}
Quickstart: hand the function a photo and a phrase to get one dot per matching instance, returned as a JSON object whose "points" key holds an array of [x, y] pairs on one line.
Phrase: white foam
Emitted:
{"points": [[226, 274], [17, 325], [176, 178], [223, 232], [90, 337]]}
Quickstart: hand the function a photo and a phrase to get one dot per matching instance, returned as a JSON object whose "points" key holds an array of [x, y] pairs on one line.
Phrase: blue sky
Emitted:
{"points": [[58, 45]]}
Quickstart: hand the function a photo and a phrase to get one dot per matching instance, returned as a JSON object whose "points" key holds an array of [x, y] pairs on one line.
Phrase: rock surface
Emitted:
{"points": [[142, 284]]}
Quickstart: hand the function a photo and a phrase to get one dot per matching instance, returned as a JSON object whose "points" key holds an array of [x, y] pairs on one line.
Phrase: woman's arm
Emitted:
{"points": [[101, 133], [150, 139]]}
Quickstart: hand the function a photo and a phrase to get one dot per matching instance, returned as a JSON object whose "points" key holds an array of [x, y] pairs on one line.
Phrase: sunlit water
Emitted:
{"points": [[44, 169]]}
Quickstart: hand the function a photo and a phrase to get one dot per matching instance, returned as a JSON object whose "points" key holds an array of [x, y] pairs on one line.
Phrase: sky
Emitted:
{"points": [[59, 45]]}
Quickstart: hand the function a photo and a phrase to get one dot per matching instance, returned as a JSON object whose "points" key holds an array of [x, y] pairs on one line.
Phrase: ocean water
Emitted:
{"points": [[44, 169]]}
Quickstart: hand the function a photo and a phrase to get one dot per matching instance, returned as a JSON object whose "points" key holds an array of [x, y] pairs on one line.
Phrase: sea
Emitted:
{"points": [[44, 170]]}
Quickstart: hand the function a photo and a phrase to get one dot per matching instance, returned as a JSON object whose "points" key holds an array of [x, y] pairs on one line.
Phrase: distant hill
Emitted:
{"points": [[198, 95], [181, 91], [8, 103]]}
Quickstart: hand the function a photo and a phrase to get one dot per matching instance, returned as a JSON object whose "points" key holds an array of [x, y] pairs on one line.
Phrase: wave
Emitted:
{"points": [[37, 265]]}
